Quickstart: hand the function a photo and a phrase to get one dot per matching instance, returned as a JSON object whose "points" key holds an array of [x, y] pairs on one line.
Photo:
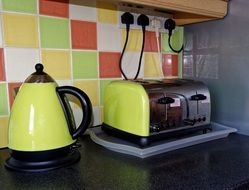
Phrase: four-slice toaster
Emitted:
{"points": [[143, 111]]}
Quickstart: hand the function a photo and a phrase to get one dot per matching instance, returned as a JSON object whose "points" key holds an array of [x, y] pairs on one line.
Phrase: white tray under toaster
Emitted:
{"points": [[122, 146]]}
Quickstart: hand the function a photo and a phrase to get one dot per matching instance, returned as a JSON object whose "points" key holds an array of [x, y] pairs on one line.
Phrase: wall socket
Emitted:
{"points": [[137, 10]]}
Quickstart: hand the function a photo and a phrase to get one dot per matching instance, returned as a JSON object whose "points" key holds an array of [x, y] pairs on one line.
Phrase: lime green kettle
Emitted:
{"points": [[42, 129]]}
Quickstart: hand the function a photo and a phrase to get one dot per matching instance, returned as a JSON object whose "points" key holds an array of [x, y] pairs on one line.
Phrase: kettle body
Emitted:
{"points": [[37, 120], [42, 129]]}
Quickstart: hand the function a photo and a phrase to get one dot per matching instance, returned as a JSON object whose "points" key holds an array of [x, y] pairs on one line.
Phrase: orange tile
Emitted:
{"points": [[12, 92], [58, 8], [151, 42], [170, 64], [2, 69], [109, 64], [84, 35]]}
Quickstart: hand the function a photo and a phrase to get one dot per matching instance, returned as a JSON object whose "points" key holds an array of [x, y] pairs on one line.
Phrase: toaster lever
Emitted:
{"points": [[189, 121], [198, 97], [165, 100]]}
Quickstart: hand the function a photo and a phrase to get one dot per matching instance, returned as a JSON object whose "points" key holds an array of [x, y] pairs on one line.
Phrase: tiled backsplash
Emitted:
{"points": [[79, 43]]}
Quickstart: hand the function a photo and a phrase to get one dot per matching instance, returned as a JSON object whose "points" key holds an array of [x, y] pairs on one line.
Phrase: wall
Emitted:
{"points": [[217, 52], [79, 43]]}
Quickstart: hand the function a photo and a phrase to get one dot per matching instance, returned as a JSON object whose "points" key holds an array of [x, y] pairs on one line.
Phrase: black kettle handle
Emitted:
{"points": [[85, 104]]}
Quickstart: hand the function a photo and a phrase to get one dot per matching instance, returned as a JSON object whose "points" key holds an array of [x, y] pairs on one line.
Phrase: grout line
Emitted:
{"points": [[39, 32]]}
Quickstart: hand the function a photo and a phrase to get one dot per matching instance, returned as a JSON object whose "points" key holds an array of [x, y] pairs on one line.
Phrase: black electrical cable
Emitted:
{"points": [[170, 26], [122, 54], [128, 19], [176, 51], [143, 21], [141, 54]]}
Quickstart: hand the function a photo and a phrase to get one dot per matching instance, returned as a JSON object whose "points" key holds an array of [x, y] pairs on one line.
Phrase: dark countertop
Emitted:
{"points": [[218, 164]]}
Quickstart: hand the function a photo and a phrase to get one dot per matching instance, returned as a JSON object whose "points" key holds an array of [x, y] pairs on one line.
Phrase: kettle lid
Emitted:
{"points": [[39, 76]]}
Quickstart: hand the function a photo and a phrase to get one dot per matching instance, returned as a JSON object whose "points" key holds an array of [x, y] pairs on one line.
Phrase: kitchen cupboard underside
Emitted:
{"points": [[182, 11]]}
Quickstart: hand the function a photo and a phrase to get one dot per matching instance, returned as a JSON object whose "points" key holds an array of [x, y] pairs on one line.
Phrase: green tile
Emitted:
{"points": [[84, 64], [103, 84], [27, 6], [54, 33], [176, 40], [3, 100]]}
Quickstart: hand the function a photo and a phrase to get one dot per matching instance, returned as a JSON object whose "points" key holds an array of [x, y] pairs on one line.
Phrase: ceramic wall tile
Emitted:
{"points": [[13, 88], [64, 82], [152, 42], [107, 13], [2, 66], [54, 33], [59, 8], [170, 64], [152, 65], [3, 131], [84, 35], [20, 63], [135, 40], [109, 65], [1, 29], [20, 30], [188, 66], [176, 40], [54, 60], [27, 6], [109, 37], [103, 84], [3, 100], [90, 87], [96, 116], [84, 64], [130, 64], [82, 10], [78, 115]]}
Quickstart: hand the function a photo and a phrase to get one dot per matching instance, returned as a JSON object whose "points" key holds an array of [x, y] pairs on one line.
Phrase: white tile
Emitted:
{"points": [[78, 115], [130, 65], [96, 116], [20, 63], [109, 37], [1, 31], [64, 82], [82, 10]]}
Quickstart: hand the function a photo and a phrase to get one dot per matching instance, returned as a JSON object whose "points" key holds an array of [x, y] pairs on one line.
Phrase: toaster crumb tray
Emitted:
{"points": [[122, 146]]}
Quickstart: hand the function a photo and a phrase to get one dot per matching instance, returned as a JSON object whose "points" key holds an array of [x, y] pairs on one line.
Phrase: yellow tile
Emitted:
{"points": [[20, 30], [135, 40], [3, 131], [101, 114], [107, 13], [152, 67], [57, 63], [90, 87]]}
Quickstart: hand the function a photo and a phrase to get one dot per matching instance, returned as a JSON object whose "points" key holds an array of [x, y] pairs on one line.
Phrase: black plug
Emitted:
{"points": [[170, 25], [143, 21], [127, 18]]}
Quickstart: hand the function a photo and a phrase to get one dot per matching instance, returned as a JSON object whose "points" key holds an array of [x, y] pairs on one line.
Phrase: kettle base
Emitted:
{"points": [[41, 166]]}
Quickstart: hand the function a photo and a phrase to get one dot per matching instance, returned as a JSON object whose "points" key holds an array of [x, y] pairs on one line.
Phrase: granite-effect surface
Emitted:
{"points": [[219, 164]]}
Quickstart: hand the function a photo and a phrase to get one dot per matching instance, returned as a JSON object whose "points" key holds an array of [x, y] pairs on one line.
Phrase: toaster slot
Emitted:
{"points": [[165, 111]]}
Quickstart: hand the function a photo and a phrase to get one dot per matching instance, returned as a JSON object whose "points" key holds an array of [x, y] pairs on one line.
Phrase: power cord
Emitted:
{"points": [[170, 25], [143, 21], [157, 25], [128, 19]]}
